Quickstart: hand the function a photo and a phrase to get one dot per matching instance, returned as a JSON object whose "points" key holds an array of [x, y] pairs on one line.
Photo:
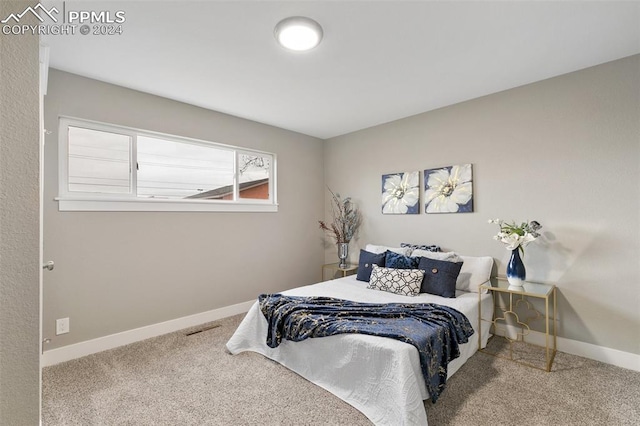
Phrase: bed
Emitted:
{"points": [[379, 376]]}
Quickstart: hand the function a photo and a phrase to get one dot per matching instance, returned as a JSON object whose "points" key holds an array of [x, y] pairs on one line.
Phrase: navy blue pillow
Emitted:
{"points": [[399, 261], [366, 262], [439, 276]]}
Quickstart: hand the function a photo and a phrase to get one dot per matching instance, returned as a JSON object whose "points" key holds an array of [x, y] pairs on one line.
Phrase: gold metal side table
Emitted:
{"points": [[518, 301], [335, 267]]}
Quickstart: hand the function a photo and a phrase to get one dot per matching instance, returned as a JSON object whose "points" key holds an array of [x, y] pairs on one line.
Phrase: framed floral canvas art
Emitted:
{"points": [[401, 193], [448, 189]]}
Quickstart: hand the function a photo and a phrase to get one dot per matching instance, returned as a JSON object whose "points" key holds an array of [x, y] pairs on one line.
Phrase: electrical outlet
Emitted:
{"points": [[62, 326]]}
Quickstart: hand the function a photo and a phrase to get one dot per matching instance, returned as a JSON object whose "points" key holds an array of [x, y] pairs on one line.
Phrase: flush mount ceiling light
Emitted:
{"points": [[298, 33]]}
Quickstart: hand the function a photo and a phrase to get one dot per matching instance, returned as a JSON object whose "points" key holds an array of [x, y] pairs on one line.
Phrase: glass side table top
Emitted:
{"points": [[336, 266], [528, 289]]}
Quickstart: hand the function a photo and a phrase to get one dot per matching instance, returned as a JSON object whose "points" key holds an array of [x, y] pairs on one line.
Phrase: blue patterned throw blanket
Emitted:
{"points": [[435, 330]]}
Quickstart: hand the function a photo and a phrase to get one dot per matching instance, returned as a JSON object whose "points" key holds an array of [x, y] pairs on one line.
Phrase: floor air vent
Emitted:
{"points": [[211, 327]]}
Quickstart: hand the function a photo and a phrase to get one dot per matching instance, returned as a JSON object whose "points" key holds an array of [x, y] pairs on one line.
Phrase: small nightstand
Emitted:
{"points": [[518, 296], [335, 267]]}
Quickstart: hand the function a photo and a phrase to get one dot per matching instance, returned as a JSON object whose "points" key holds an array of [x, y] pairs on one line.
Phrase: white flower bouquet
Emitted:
{"points": [[516, 236]]}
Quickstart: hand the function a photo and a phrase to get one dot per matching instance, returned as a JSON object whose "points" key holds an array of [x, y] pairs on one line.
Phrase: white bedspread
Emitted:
{"points": [[381, 377]]}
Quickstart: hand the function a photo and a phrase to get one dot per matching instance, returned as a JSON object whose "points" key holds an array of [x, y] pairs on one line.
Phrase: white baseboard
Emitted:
{"points": [[587, 350], [78, 350]]}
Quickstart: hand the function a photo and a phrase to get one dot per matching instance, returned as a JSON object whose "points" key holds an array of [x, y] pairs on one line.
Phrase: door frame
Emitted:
{"points": [[42, 89]]}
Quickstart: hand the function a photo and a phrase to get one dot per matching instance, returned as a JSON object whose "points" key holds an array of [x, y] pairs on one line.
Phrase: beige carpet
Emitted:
{"points": [[191, 380]]}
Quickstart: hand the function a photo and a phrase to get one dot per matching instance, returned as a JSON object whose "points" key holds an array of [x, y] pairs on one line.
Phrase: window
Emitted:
{"points": [[99, 162], [106, 167], [179, 170]]}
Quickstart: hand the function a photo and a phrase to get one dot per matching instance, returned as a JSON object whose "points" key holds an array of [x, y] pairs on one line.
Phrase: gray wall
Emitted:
{"points": [[564, 151], [117, 271], [19, 227]]}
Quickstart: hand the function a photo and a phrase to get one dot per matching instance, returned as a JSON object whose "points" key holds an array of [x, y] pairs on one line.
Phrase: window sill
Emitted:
{"points": [[158, 205]]}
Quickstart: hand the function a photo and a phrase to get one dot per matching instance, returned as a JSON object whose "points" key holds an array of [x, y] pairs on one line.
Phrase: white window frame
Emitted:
{"points": [[79, 201]]}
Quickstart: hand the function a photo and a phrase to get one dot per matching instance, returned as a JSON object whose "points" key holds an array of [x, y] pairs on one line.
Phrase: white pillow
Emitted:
{"points": [[406, 282], [381, 249], [449, 256], [475, 271]]}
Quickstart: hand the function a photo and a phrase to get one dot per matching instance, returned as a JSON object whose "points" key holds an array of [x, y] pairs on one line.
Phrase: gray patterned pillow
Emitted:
{"points": [[427, 247], [406, 282]]}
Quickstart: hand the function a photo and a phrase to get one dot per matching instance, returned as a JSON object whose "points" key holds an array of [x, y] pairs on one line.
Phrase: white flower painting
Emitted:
{"points": [[401, 193], [448, 189]]}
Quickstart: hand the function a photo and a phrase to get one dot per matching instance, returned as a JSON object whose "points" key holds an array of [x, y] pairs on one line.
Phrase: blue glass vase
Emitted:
{"points": [[516, 274]]}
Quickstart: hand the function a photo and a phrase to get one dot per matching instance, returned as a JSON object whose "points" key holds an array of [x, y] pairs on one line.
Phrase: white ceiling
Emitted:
{"points": [[379, 60]]}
